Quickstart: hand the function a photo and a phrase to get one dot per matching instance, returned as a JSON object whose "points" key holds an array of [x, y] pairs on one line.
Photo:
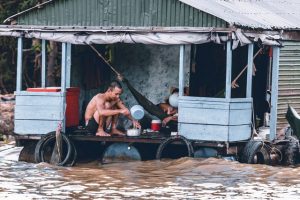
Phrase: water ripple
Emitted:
{"points": [[169, 179]]}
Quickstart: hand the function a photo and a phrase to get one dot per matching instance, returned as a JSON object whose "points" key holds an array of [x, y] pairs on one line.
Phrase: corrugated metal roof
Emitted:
{"points": [[38, 6], [266, 14], [133, 13]]}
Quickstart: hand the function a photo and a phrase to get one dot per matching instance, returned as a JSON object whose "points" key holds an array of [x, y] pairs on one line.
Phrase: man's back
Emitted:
{"points": [[92, 107]]}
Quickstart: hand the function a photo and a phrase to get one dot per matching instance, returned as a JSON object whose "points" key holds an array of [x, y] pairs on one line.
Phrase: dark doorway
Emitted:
{"points": [[208, 70], [208, 75]]}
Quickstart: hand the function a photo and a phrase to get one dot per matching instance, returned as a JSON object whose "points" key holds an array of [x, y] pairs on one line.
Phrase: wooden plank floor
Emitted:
{"points": [[83, 135], [151, 137]]}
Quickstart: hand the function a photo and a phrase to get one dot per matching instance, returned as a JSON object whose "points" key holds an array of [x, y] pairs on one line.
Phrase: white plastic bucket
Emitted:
{"points": [[137, 112], [173, 100]]}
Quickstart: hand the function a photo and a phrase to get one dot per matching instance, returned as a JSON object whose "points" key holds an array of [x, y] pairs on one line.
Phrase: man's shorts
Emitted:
{"points": [[92, 126]]}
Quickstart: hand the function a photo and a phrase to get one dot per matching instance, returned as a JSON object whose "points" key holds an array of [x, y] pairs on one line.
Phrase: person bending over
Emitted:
{"points": [[172, 119]]}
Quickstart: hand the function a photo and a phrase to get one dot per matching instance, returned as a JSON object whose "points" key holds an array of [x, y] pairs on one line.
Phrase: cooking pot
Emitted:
{"points": [[133, 132]]}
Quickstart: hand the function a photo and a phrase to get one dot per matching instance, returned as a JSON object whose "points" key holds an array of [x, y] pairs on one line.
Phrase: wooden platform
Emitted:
{"points": [[83, 135], [149, 138]]}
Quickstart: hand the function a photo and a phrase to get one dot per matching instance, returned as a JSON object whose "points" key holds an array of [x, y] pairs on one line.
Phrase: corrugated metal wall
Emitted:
{"points": [[289, 80], [164, 13]]}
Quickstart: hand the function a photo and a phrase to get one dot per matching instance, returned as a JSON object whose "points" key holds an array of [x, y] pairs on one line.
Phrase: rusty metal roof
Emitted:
{"points": [[265, 14]]}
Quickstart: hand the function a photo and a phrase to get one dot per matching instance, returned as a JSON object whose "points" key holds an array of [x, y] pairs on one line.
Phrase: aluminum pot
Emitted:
{"points": [[133, 132]]}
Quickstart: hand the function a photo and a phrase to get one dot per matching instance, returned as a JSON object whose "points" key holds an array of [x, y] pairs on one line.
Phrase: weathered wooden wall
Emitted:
{"points": [[289, 80], [38, 112]]}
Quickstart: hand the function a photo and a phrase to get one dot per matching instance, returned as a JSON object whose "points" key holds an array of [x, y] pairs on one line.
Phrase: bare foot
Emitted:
{"points": [[115, 131], [102, 134]]}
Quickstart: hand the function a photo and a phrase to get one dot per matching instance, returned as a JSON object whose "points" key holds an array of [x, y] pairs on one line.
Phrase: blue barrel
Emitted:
{"points": [[120, 152]]}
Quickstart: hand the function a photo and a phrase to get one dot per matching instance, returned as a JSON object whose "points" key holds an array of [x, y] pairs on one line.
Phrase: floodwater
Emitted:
{"points": [[183, 178]]}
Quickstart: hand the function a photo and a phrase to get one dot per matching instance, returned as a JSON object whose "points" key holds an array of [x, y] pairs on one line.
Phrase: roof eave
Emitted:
{"points": [[113, 29]]}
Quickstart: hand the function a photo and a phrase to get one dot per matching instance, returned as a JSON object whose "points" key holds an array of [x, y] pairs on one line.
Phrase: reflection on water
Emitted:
{"points": [[173, 179]]}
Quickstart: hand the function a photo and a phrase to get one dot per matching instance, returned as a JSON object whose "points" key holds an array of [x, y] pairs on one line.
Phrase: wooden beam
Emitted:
{"points": [[63, 83], [63, 66], [228, 69], [249, 71], [43, 70], [274, 92], [68, 65], [181, 70], [19, 64]]}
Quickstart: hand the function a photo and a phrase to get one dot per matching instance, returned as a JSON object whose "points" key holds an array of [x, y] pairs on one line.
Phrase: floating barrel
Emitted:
{"points": [[205, 152], [27, 153], [120, 152]]}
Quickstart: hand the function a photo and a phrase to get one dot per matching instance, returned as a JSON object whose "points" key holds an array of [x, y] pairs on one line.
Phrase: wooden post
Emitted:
{"points": [[68, 65], [63, 83], [63, 67], [274, 92], [19, 65], [43, 70], [181, 70], [249, 71], [228, 69]]}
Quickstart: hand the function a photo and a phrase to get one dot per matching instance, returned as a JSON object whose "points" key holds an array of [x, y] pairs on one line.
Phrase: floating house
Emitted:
{"points": [[239, 59]]}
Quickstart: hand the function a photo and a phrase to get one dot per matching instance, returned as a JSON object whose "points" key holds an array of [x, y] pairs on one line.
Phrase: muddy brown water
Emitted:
{"points": [[184, 178]]}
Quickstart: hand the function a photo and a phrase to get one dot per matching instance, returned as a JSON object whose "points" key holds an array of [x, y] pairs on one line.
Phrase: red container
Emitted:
{"points": [[155, 125], [72, 100]]}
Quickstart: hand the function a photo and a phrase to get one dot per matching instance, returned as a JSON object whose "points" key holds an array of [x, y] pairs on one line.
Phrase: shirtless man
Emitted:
{"points": [[104, 109]]}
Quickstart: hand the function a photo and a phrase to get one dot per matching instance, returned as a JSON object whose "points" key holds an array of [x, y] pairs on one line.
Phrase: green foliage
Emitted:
{"points": [[11, 7], [8, 44], [26, 4]]}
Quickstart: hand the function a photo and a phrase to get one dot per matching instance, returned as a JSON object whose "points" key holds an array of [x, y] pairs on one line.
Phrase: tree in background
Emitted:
{"points": [[8, 44], [31, 53]]}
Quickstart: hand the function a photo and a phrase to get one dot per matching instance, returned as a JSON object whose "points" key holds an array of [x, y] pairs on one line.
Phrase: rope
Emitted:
{"points": [[142, 100], [233, 83], [99, 54], [58, 136], [272, 149], [254, 132], [58, 139]]}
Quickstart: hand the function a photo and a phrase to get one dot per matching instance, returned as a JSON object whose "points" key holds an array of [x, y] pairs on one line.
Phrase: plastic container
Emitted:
{"points": [[72, 111], [155, 125], [72, 100], [137, 112], [173, 100]]}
